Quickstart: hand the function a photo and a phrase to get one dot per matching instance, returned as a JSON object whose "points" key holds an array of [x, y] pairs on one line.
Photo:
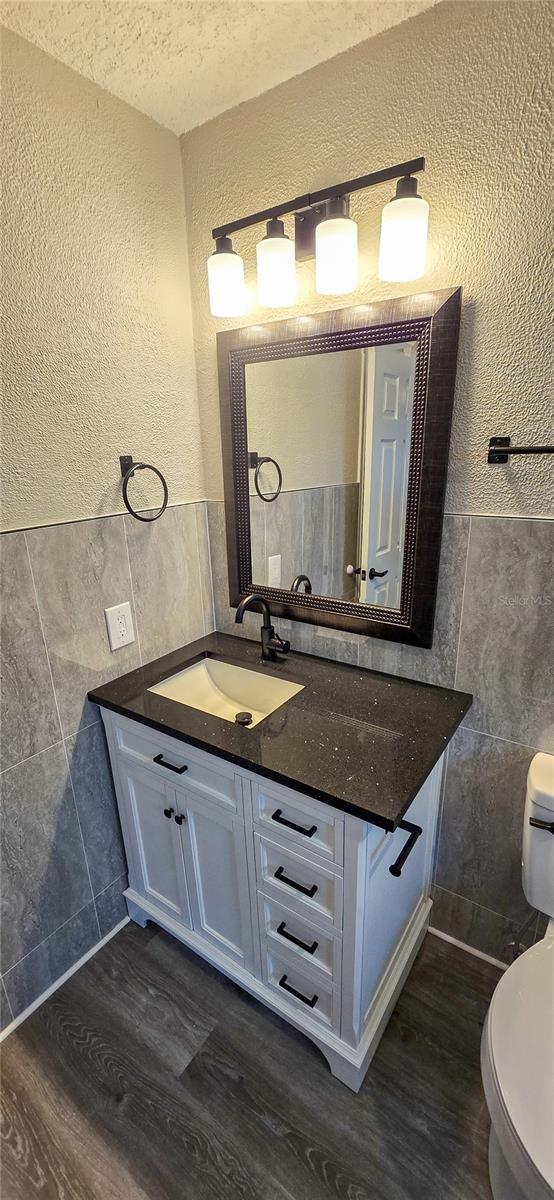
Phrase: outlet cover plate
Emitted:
{"points": [[120, 625], [274, 570]]}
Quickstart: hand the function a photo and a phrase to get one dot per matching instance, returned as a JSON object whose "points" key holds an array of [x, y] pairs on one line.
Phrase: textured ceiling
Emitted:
{"points": [[183, 63]]}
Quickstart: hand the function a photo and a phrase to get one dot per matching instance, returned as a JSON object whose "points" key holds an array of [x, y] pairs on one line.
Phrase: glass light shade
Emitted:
{"points": [[276, 271], [226, 284], [336, 256], [403, 247]]}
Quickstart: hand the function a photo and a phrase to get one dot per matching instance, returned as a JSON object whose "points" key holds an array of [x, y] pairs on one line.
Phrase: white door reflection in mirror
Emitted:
{"points": [[389, 379], [339, 426]]}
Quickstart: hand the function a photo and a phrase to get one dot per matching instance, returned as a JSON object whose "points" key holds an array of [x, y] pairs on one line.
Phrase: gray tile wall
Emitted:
{"points": [[494, 633], [315, 532], [63, 866]]}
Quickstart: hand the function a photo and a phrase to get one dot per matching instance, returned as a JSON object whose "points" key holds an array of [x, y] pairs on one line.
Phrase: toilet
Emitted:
{"points": [[517, 1047]]}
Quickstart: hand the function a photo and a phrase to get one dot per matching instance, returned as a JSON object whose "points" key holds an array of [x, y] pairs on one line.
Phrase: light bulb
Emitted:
{"points": [[276, 268], [403, 246], [226, 281], [336, 251]]}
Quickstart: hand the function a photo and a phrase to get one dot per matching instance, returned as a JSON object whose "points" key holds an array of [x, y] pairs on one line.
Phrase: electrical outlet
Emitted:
{"points": [[120, 625], [274, 570]]}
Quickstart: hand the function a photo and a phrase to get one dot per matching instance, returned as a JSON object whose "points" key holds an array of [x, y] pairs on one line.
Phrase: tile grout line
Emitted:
{"points": [[62, 926], [139, 648], [211, 575], [200, 588], [90, 725], [43, 635], [66, 738], [37, 754], [475, 904], [47, 938], [61, 731], [3, 986], [100, 517], [442, 798], [462, 604], [496, 737], [488, 516], [82, 838], [109, 885]]}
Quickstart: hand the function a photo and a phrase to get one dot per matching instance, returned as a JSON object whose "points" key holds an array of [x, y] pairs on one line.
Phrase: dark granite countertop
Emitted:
{"points": [[359, 740]]}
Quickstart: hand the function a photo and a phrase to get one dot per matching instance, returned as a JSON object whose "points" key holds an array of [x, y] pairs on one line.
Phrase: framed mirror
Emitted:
{"points": [[335, 433]]}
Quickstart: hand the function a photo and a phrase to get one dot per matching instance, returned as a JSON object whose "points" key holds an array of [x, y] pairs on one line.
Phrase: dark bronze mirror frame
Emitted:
{"points": [[431, 319]]}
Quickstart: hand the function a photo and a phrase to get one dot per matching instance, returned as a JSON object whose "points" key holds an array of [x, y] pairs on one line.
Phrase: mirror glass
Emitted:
{"points": [[338, 427]]}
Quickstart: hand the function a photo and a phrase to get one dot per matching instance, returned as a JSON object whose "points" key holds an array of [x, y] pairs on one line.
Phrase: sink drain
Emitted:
{"points": [[243, 718]]}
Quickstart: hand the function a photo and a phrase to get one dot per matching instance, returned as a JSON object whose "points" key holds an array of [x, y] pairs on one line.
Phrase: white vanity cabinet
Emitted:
{"points": [[292, 898]]}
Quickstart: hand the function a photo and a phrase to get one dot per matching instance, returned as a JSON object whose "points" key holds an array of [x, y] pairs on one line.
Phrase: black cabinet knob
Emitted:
{"points": [[168, 812], [179, 819]]}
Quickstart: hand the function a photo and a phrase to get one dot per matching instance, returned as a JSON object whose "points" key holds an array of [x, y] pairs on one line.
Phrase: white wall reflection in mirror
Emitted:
{"points": [[339, 426]]}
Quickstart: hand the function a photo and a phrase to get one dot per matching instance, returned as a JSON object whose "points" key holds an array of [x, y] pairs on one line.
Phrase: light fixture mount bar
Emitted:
{"points": [[317, 199]]}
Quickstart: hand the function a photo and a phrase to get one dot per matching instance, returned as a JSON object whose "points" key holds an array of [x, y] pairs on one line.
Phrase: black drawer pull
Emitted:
{"points": [[284, 933], [160, 760], [281, 820], [299, 887], [287, 987], [168, 812], [414, 831]]}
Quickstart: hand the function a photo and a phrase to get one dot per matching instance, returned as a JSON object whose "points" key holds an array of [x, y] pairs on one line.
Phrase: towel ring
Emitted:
{"points": [[258, 463], [128, 468]]}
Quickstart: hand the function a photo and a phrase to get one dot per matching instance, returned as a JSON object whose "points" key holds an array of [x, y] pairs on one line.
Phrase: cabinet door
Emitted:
{"points": [[153, 843], [214, 844]]}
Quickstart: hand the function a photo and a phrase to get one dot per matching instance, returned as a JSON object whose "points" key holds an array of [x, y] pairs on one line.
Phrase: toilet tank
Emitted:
{"points": [[538, 844]]}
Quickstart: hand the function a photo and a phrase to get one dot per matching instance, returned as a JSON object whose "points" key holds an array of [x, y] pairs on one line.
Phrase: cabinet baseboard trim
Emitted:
{"points": [[17, 1021], [347, 1063], [352, 1069], [446, 937]]}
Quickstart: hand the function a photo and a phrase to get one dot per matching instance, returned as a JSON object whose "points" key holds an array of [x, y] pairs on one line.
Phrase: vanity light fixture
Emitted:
{"points": [[276, 267], [226, 280], [324, 229], [336, 250], [404, 222]]}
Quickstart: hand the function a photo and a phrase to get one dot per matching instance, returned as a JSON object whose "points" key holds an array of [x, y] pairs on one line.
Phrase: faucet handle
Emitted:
{"points": [[281, 644]]}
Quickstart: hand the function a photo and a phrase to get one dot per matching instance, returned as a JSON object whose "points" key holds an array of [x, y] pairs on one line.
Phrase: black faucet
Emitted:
{"points": [[301, 579], [271, 642]]}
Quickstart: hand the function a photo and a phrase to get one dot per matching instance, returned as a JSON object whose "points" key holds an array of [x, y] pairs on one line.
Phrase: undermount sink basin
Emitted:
{"points": [[224, 690]]}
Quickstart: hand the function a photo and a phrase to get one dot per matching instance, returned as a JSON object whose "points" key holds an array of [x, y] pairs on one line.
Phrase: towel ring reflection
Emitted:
{"points": [[128, 468], [255, 462]]}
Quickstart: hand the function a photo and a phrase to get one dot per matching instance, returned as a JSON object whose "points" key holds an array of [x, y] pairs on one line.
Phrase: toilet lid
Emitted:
{"points": [[521, 1033]]}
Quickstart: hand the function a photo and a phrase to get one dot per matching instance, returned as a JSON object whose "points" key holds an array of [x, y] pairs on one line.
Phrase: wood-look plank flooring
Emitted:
{"points": [[148, 1076]]}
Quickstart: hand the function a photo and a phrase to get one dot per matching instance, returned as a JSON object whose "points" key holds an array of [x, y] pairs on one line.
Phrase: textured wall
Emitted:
{"points": [[305, 413], [182, 63], [98, 356], [466, 85]]}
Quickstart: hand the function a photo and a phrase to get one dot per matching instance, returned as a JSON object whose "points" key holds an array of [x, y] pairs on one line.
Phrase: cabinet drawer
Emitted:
{"points": [[202, 772], [309, 826], [317, 1000], [286, 933], [308, 887]]}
